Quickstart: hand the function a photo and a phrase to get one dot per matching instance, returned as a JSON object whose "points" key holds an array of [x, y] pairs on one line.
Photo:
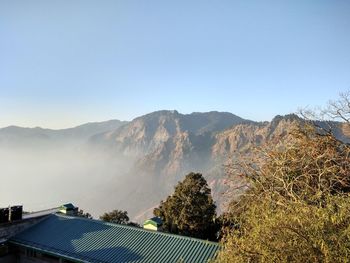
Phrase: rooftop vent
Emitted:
{"points": [[68, 209], [154, 223]]}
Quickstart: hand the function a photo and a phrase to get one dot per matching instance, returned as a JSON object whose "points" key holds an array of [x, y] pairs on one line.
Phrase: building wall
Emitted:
{"points": [[26, 255], [11, 258], [10, 229], [28, 259]]}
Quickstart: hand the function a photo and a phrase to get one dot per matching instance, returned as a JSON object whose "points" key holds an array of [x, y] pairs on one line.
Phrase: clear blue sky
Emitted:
{"points": [[65, 62]]}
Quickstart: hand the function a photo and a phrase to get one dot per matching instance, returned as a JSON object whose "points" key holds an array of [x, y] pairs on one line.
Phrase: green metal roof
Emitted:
{"points": [[87, 240]]}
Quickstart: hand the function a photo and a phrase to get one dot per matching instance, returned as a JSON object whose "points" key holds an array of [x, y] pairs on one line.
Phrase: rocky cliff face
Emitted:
{"points": [[168, 142], [242, 138]]}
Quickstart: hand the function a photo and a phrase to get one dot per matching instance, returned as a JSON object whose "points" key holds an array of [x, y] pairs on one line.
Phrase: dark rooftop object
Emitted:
{"points": [[68, 206], [12, 213], [85, 240]]}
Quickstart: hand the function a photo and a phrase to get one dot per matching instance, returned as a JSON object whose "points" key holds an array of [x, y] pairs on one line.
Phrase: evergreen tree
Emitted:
{"points": [[190, 210]]}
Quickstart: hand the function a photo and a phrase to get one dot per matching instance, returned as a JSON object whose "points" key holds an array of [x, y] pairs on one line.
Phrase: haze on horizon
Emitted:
{"points": [[65, 63]]}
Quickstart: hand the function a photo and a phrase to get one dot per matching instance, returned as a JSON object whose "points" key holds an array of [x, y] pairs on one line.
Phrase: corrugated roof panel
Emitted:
{"points": [[97, 241], [177, 249]]}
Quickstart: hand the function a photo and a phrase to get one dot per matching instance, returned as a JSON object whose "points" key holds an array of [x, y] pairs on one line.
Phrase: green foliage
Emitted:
{"points": [[298, 205], [116, 216], [190, 210], [296, 232]]}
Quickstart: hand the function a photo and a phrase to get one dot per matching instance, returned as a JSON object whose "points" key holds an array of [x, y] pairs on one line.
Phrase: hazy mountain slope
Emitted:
{"points": [[21, 136], [166, 145], [89, 129], [167, 140], [42, 168]]}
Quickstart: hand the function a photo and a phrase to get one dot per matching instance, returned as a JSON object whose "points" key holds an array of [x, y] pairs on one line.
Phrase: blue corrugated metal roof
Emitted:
{"points": [[87, 240]]}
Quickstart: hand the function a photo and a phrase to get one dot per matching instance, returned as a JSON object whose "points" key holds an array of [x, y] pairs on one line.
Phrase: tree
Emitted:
{"points": [[297, 207], [116, 216], [339, 109], [81, 213], [190, 210]]}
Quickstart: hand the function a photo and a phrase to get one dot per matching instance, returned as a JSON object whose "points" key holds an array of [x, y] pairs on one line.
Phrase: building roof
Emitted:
{"points": [[156, 221], [87, 240]]}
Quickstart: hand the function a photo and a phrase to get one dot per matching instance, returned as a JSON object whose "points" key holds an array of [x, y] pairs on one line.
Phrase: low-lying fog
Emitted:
{"points": [[46, 177]]}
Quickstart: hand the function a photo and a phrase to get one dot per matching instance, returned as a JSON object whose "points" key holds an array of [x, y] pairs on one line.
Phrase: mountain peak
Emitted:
{"points": [[287, 117]]}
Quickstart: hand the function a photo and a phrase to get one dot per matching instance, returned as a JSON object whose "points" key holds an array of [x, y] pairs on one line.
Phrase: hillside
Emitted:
{"points": [[21, 136]]}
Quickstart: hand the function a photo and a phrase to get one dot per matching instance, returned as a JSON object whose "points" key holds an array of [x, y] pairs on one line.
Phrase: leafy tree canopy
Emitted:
{"points": [[298, 206]]}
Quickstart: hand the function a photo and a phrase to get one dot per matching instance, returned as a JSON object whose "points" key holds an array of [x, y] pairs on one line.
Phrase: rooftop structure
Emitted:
{"points": [[62, 238], [154, 223], [68, 209]]}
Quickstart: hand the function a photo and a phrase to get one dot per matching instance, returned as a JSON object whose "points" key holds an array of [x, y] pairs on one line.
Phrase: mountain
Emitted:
{"points": [[133, 165], [164, 146], [167, 141], [20, 136], [161, 148], [242, 138]]}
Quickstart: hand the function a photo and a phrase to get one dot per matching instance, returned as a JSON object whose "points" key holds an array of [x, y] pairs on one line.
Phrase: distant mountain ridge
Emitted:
{"points": [[151, 129], [16, 135]]}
